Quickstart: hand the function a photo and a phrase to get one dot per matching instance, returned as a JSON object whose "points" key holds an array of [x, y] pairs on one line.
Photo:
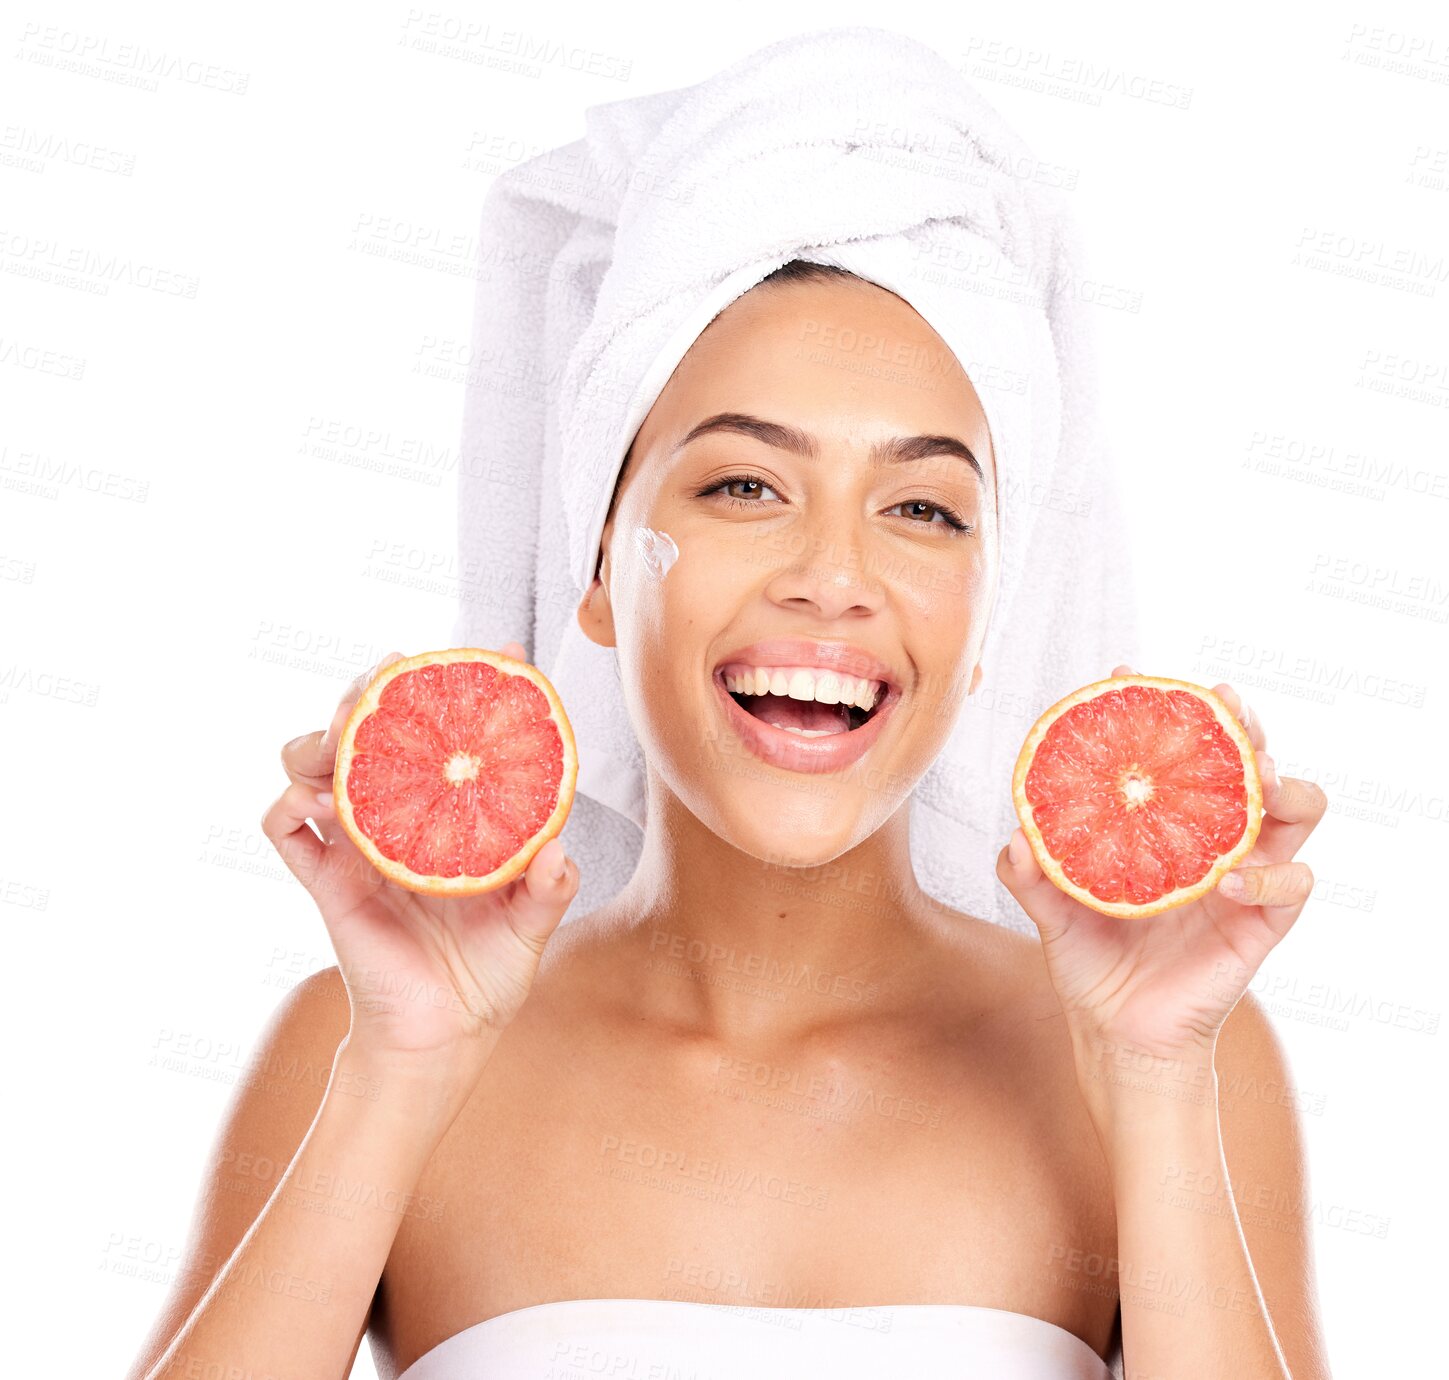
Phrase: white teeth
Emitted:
{"points": [[801, 685], [805, 683]]}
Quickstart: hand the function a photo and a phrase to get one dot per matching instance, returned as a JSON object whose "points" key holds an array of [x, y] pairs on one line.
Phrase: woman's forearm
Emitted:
{"points": [[292, 1298], [1191, 1305]]}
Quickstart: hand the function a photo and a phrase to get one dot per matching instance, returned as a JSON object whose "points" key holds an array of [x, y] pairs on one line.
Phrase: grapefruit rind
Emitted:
{"points": [[1181, 895], [516, 865]]}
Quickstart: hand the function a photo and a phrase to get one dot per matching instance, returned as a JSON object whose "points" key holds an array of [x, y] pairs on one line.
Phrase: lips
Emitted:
{"points": [[789, 750], [840, 657]]}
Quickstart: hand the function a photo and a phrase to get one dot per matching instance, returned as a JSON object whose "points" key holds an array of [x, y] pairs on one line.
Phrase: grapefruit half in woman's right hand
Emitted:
{"points": [[454, 769]]}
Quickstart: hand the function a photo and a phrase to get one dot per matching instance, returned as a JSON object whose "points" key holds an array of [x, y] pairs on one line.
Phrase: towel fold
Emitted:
{"points": [[602, 261]]}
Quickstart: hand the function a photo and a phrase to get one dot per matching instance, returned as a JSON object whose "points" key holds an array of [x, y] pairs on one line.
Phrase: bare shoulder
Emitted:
{"points": [[316, 1008], [270, 1111], [1260, 1106], [1265, 1151]]}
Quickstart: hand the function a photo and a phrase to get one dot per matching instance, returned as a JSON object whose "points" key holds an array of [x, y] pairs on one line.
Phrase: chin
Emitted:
{"points": [[783, 819]]}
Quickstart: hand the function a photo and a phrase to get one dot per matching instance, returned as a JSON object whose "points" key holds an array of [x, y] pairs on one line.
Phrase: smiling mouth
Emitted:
{"points": [[810, 706]]}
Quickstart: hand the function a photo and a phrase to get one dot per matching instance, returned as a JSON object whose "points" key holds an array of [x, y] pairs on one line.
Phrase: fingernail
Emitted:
{"points": [[1268, 766], [1234, 884], [561, 867], [324, 799], [298, 741]]}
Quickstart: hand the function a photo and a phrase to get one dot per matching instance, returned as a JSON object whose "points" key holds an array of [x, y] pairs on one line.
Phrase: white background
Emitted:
{"points": [[192, 587]]}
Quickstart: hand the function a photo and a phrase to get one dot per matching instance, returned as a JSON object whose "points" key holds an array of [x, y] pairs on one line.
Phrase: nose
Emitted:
{"points": [[825, 576]]}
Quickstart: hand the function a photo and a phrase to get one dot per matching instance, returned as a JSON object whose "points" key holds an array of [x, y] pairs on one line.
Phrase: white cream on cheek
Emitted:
{"points": [[657, 550]]}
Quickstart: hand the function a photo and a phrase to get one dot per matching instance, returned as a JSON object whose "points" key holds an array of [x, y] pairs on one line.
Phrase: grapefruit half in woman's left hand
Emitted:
{"points": [[1138, 793]]}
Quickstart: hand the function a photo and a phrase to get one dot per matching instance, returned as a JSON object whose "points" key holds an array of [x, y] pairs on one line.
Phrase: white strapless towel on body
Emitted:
{"points": [[674, 1339]]}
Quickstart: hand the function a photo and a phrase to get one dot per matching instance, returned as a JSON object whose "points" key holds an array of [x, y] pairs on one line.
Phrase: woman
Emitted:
{"points": [[505, 1145], [901, 1136]]}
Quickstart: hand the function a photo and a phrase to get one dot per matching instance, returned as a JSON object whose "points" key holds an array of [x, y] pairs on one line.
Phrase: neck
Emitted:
{"points": [[730, 947]]}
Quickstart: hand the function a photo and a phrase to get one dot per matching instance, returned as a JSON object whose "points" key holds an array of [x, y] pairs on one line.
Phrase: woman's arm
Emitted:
{"points": [[1212, 1286], [1146, 1002], [301, 1200], [279, 1282]]}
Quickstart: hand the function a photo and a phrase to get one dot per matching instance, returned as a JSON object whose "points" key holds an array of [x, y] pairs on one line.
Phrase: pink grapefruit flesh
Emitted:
{"points": [[1138, 793], [454, 769]]}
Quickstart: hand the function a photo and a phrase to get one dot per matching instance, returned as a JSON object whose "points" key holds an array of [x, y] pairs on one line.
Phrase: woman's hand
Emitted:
{"points": [[426, 976], [1163, 985]]}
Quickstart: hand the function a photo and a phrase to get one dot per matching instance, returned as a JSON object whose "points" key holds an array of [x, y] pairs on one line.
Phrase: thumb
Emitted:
{"points": [[549, 885], [1019, 872]]}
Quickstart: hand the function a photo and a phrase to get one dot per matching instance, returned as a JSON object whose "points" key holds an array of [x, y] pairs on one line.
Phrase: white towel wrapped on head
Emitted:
{"points": [[603, 261]]}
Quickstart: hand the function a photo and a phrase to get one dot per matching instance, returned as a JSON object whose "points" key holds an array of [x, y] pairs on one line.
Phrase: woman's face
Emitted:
{"points": [[839, 550]]}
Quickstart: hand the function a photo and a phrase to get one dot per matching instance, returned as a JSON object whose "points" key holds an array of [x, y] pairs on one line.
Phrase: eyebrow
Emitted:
{"points": [[898, 450]]}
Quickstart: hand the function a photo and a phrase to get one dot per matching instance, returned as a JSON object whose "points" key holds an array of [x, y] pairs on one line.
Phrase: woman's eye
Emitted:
{"points": [[744, 486], [950, 518], [746, 482]]}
